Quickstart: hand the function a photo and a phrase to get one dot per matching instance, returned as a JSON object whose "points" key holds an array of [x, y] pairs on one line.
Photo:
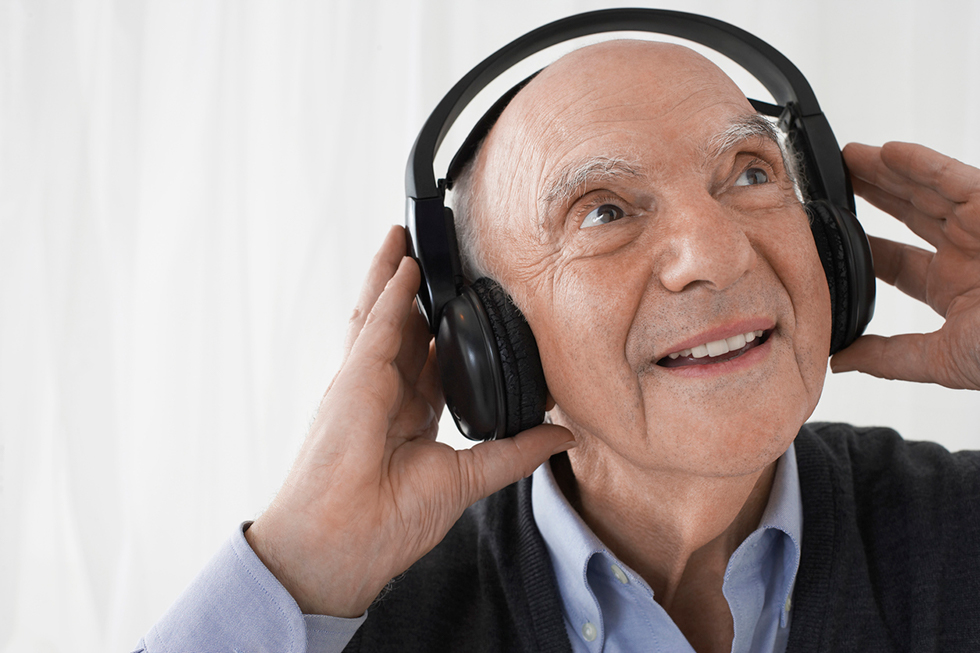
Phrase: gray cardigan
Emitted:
{"points": [[890, 560]]}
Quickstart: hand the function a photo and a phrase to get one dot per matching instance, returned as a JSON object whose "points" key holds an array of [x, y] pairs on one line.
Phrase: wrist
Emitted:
{"points": [[308, 577]]}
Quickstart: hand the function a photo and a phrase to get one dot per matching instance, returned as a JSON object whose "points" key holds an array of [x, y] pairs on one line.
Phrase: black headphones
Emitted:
{"points": [[491, 370]]}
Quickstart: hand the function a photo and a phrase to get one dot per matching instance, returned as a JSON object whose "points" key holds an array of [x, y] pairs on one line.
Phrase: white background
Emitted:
{"points": [[189, 196]]}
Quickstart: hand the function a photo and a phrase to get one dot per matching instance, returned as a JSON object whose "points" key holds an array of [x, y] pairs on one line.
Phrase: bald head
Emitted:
{"points": [[620, 76], [526, 161]]}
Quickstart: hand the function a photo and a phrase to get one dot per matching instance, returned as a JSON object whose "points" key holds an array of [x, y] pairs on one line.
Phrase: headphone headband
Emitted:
{"points": [[430, 225], [777, 73]]}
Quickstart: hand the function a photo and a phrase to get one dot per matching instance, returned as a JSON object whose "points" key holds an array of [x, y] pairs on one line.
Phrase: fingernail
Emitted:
{"points": [[564, 446]]}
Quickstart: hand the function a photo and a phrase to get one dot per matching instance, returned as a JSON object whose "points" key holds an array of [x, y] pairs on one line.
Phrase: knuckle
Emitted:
{"points": [[472, 476], [523, 457]]}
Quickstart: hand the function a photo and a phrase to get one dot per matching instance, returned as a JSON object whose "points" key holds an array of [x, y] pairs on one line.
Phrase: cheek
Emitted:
{"points": [[809, 295], [581, 332]]}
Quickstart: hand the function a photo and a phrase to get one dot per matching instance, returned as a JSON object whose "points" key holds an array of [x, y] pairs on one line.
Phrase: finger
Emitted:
{"points": [[414, 352], [422, 420], [901, 265], [429, 383], [868, 163], [491, 466], [934, 186], [957, 183], [920, 208], [380, 339], [906, 357], [921, 224], [382, 268], [861, 159], [954, 180], [368, 388]]}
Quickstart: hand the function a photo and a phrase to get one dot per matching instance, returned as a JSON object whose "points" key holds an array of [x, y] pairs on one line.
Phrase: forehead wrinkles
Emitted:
{"points": [[582, 91], [513, 160]]}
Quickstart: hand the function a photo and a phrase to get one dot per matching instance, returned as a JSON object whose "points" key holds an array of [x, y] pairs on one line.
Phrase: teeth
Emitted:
{"points": [[735, 342], [719, 347]]}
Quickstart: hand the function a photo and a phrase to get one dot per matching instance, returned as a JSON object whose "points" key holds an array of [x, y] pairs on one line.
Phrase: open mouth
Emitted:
{"points": [[716, 351]]}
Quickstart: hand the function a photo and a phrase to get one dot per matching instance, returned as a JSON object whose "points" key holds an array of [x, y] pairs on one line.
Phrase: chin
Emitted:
{"points": [[726, 445], [717, 447]]}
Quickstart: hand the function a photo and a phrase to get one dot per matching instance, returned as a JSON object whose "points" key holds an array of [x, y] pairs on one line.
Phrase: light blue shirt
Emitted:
{"points": [[609, 608], [236, 604]]}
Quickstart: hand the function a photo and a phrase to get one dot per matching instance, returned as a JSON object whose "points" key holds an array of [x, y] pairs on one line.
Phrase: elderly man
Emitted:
{"points": [[641, 214]]}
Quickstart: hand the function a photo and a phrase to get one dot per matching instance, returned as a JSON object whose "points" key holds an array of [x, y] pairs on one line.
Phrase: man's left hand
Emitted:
{"points": [[938, 198]]}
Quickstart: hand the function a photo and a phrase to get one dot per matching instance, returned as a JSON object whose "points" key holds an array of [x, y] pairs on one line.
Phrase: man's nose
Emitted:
{"points": [[706, 244]]}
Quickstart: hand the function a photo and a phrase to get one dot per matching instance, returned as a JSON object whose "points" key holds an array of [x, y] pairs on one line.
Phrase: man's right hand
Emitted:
{"points": [[372, 491]]}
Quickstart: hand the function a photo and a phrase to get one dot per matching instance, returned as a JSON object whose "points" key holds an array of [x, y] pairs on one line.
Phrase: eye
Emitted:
{"points": [[603, 214], [752, 177]]}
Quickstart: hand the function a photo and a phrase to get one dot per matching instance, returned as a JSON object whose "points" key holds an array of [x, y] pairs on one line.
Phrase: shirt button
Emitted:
{"points": [[789, 604], [619, 574], [589, 631]]}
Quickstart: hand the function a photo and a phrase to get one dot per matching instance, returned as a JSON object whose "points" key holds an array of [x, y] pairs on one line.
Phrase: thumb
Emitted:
{"points": [[905, 357], [491, 466]]}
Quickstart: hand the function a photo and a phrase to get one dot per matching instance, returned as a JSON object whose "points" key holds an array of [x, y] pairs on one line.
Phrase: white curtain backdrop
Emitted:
{"points": [[190, 192]]}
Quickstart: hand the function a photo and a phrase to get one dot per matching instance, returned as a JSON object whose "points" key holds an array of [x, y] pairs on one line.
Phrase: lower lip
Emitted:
{"points": [[737, 364]]}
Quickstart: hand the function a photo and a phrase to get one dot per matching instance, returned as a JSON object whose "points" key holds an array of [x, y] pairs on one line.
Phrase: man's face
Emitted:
{"points": [[639, 212]]}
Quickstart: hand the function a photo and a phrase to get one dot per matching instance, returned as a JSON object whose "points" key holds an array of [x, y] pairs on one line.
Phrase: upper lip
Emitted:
{"points": [[719, 333]]}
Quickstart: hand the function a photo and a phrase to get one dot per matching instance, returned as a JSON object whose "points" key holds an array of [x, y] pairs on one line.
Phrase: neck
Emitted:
{"points": [[676, 530], [659, 523]]}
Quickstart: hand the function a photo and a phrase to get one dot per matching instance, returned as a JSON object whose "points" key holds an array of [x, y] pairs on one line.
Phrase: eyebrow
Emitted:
{"points": [[582, 172], [741, 129], [596, 168]]}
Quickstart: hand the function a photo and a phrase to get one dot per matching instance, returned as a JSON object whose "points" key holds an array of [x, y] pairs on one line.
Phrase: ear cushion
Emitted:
{"points": [[830, 246], [523, 376]]}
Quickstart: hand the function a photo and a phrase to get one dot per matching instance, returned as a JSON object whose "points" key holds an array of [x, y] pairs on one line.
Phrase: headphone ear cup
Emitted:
{"points": [[846, 257], [522, 375], [830, 247]]}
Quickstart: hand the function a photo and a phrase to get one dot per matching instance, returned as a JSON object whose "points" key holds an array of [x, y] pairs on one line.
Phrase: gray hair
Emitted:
{"points": [[471, 229]]}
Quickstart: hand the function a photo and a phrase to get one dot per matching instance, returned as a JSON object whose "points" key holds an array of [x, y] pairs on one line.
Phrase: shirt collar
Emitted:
{"points": [[785, 508], [784, 512], [571, 543]]}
